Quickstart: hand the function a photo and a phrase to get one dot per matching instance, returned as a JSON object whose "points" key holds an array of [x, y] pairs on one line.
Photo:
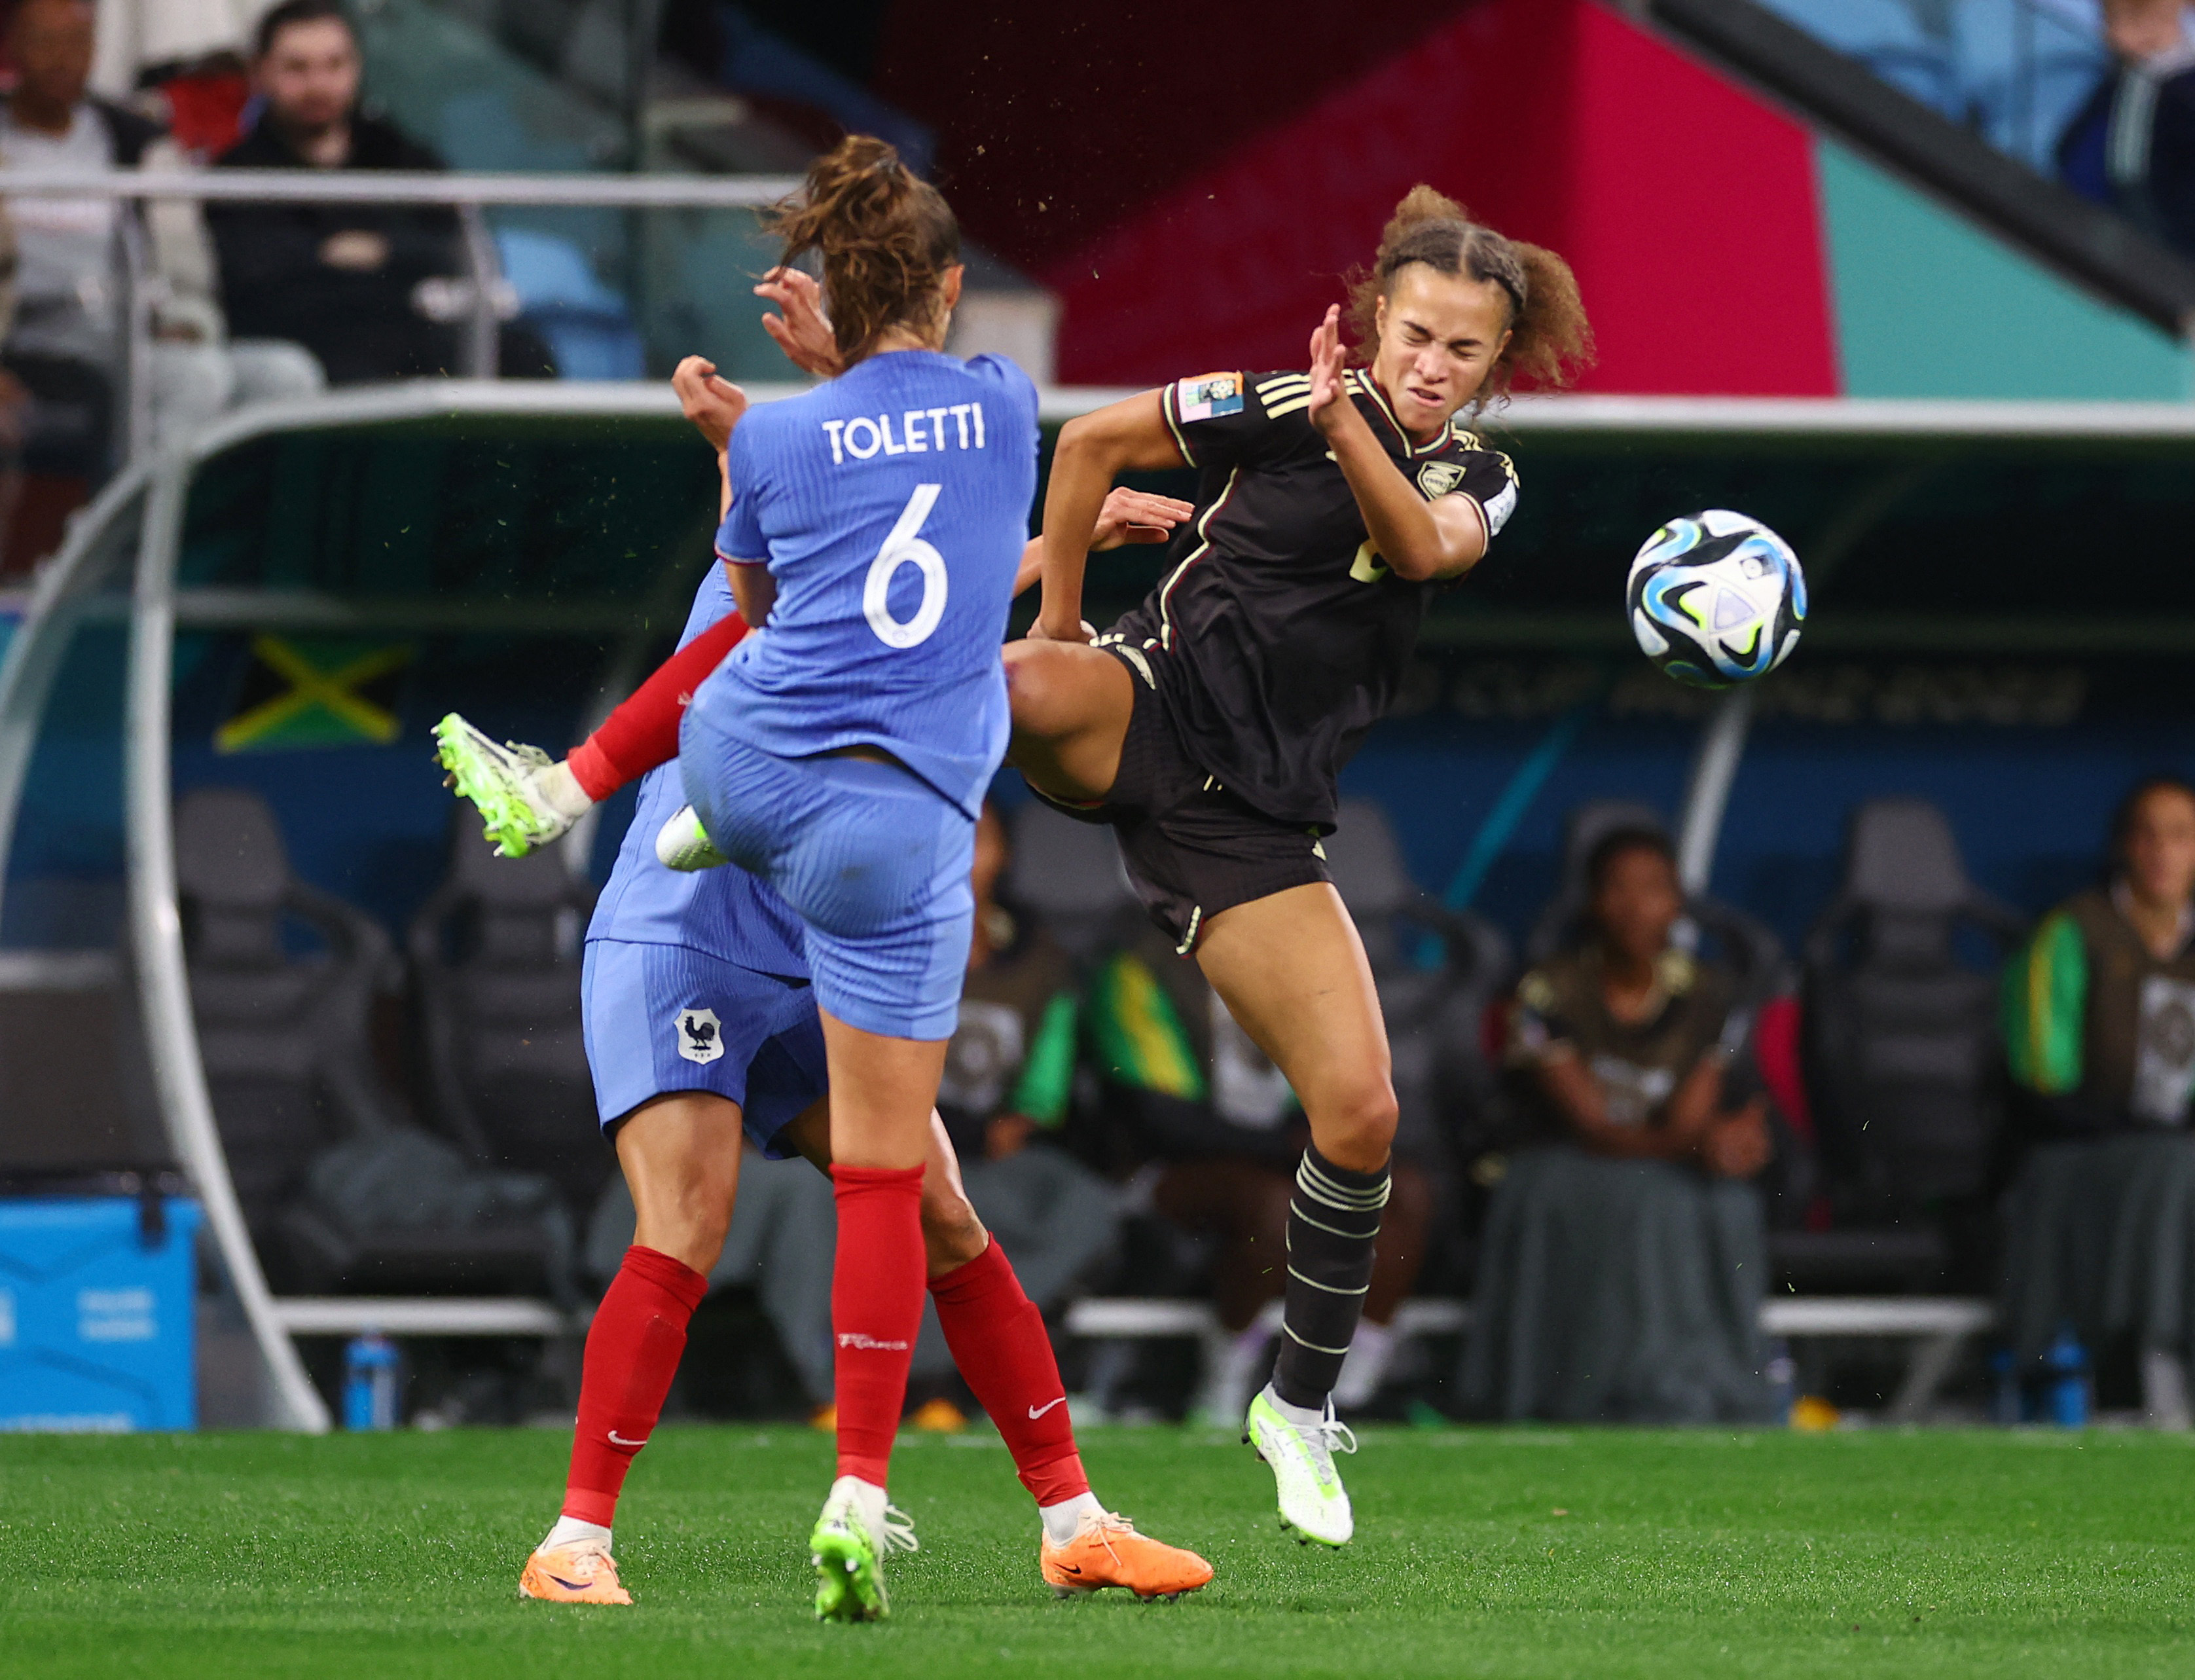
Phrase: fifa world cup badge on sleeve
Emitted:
{"points": [[1209, 396]]}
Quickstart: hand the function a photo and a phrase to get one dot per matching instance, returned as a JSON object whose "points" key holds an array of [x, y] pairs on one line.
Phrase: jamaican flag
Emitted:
{"points": [[316, 691]]}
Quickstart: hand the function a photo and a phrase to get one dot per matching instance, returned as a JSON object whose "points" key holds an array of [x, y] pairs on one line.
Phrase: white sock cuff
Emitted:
{"points": [[1064, 1520], [557, 785], [1303, 1417], [570, 1531]]}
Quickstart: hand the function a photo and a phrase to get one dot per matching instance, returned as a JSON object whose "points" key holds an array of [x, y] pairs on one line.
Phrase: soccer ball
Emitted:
{"points": [[1716, 598]]}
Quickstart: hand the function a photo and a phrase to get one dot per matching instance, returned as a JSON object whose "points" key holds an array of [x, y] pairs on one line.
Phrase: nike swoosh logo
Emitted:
{"points": [[1037, 1411], [1064, 1569], [617, 1440], [571, 1586]]}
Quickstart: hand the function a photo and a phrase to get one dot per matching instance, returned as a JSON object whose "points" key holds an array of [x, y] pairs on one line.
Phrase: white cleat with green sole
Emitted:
{"points": [[857, 1532], [1313, 1500], [504, 782]]}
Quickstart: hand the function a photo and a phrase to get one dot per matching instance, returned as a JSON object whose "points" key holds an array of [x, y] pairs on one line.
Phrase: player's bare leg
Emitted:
{"points": [[681, 1157], [1293, 973], [1071, 705]]}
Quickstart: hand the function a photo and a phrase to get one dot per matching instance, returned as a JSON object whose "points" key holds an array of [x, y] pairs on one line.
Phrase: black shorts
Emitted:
{"points": [[1192, 848]]}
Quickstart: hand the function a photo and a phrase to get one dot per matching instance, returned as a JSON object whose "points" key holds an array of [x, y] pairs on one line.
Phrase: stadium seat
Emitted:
{"points": [[588, 328], [1434, 1010], [341, 1190], [1753, 954], [281, 1034], [1887, 37], [1069, 874], [495, 959], [71, 1044], [1901, 1044]]}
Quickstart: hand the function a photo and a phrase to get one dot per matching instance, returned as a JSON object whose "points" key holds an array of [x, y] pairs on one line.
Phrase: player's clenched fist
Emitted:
{"points": [[713, 403]]}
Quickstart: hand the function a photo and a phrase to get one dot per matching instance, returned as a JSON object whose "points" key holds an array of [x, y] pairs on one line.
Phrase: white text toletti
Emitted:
{"points": [[916, 431]]}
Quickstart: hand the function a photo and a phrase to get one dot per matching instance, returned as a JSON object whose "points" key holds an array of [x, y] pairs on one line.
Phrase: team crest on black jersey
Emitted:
{"points": [[1209, 396], [1437, 478]]}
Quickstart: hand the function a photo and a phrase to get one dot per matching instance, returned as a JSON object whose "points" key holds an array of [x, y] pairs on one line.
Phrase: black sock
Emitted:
{"points": [[1332, 1218]]}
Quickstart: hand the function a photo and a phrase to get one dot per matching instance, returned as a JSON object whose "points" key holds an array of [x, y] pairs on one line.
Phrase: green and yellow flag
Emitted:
{"points": [[316, 691]]}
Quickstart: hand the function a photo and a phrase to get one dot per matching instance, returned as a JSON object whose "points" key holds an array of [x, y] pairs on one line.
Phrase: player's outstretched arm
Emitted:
{"points": [[1419, 539], [1093, 448], [1128, 516]]}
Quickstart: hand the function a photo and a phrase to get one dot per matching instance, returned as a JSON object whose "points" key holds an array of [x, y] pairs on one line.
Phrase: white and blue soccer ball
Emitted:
{"points": [[1716, 598]]}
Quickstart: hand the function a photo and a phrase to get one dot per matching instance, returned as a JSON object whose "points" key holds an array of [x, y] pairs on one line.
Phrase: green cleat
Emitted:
{"points": [[848, 1550], [502, 783], [1313, 1500]]}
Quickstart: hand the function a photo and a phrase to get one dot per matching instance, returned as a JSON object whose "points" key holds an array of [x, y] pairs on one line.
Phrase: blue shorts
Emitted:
{"points": [[663, 1017], [875, 862]]}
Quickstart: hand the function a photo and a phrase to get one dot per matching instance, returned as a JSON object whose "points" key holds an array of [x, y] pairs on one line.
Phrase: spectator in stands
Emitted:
{"points": [[367, 288], [2099, 1030], [2132, 145], [65, 346], [15, 408], [1224, 1133], [1625, 1257], [193, 51], [67, 343]]}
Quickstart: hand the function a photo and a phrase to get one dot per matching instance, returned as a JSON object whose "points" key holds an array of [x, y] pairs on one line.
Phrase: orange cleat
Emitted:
{"points": [[939, 1416], [1107, 1552], [575, 1574]]}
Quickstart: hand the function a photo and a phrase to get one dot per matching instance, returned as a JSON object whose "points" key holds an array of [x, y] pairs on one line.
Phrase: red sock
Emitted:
{"points": [[999, 1341], [632, 1352], [642, 732], [876, 1309]]}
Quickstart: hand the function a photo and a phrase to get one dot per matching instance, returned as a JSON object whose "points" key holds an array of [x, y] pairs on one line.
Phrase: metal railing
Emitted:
{"points": [[482, 290], [2013, 72]]}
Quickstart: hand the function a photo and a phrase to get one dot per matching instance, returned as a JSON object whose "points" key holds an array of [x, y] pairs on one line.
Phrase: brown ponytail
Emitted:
{"points": [[1550, 339], [886, 237]]}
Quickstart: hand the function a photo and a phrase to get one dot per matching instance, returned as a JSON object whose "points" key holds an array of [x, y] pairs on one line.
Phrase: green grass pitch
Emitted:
{"points": [[1479, 1552]]}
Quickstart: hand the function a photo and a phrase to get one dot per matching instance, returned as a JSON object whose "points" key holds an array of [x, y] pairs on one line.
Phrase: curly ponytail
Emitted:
{"points": [[1550, 339], [886, 237]]}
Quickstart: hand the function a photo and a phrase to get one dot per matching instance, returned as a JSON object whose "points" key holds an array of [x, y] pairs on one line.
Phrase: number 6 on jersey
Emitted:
{"points": [[903, 547]]}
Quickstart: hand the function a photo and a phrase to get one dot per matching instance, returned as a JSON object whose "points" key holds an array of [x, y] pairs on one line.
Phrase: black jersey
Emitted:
{"points": [[1277, 637]]}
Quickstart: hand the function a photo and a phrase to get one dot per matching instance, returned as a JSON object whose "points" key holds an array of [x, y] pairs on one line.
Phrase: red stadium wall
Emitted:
{"points": [[1057, 120], [1688, 207]]}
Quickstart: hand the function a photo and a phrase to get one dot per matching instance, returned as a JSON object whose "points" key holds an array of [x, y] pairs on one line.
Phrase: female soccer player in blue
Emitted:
{"points": [[701, 1022], [841, 754]]}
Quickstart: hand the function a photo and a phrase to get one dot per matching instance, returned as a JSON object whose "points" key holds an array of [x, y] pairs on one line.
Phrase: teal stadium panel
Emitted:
{"points": [[1927, 304]]}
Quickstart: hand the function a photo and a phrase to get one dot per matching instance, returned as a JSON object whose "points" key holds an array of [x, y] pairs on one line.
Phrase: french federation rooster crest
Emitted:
{"points": [[1716, 599]]}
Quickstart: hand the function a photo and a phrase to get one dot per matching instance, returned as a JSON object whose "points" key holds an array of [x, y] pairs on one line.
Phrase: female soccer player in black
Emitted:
{"points": [[1208, 726]]}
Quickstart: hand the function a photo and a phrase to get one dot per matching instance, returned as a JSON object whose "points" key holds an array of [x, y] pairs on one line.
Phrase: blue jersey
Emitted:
{"points": [[724, 912], [891, 506]]}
